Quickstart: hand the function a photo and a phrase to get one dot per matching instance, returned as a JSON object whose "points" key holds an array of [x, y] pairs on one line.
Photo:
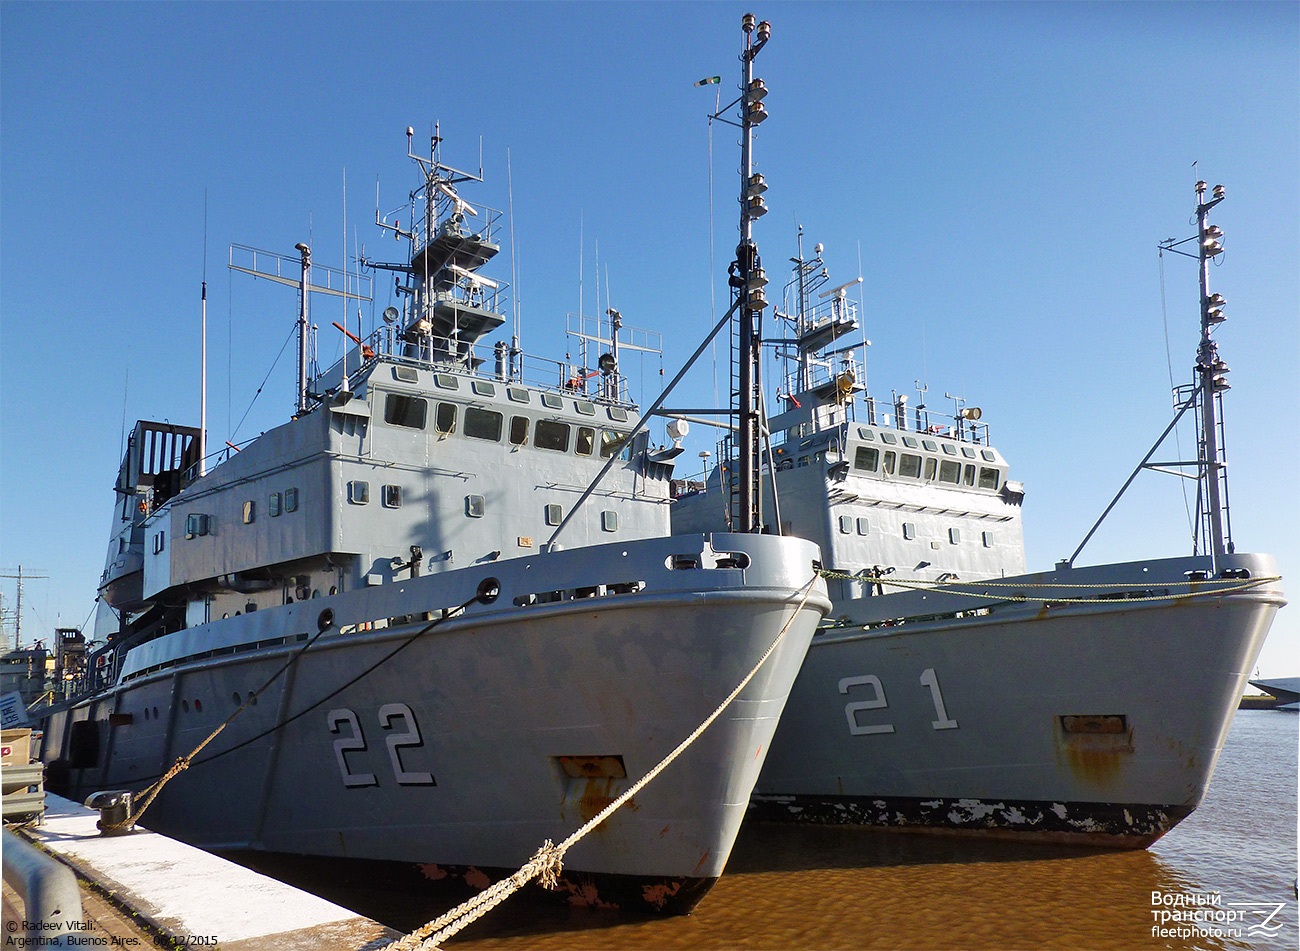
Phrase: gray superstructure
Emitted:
{"points": [[949, 690], [428, 670]]}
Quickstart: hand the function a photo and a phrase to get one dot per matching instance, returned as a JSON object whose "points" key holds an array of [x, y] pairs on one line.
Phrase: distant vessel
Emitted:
{"points": [[1286, 690], [952, 692], [453, 688]]}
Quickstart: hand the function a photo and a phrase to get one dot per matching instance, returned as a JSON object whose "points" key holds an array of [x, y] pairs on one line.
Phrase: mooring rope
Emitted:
{"points": [[547, 862], [1016, 592], [184, 762]]}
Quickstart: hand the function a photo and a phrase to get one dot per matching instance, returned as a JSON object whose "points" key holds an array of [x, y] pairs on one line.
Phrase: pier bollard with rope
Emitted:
{"points": [[548, 861]]}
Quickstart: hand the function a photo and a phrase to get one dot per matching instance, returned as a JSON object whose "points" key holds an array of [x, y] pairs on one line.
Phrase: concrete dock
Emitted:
{"points": [[146, 890]]}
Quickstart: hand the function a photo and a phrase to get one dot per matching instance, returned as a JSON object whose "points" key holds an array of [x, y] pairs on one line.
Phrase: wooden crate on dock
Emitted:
{"points": [[22, 782], [15, 747]]}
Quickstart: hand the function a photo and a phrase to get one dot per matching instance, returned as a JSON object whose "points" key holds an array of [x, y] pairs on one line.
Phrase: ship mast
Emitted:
{"points": [[1210, 370], [1206, 396], [748, 280]]}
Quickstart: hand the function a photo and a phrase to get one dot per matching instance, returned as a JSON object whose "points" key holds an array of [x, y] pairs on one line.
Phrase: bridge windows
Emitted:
{"points": [[518, 430], [444, 420], [552, 435], [408, 411], [482, 424], [611, 442]]}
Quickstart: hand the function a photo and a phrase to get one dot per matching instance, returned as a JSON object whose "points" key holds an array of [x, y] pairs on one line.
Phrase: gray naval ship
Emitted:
{"points": [[951, 691], [440, 657]]}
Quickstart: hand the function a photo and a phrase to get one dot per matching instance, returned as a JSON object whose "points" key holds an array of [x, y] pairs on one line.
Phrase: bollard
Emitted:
{"points": [[114, 809]]}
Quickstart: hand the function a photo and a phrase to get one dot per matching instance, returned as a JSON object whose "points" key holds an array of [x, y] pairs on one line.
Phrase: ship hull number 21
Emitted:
{"points": [[868, 685]]}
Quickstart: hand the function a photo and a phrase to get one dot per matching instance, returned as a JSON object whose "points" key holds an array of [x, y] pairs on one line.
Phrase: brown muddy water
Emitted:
{"points": [[788, 887]]}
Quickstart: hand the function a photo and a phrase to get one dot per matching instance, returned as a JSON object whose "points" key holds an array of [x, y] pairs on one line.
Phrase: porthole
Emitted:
{"points": [[489, 589]]}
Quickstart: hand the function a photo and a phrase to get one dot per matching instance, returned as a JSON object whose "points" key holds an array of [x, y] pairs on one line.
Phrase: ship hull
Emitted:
{"points": [[1093, 723], [463, 748]]}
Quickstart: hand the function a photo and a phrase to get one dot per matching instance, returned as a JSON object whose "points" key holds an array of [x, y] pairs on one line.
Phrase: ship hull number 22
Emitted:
{"points": [[869, 685], [397, 720]]}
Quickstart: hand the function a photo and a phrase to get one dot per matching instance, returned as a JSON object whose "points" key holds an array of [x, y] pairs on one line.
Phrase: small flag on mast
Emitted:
{"points": [[709, 81]]}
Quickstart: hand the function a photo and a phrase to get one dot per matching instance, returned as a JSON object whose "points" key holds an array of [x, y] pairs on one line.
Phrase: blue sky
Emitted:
{"points": [[1002, 171]]}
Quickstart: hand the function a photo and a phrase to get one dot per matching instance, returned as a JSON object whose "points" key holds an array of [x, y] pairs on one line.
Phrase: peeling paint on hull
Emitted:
{"points": [[629, 894], [1098, 824]]}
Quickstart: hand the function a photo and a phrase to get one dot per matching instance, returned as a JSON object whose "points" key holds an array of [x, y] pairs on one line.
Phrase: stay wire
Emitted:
{"points": [[274, 363], [1169, 362], [453, 612]]}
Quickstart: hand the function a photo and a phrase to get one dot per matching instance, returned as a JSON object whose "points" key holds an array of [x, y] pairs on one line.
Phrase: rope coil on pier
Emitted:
{"points": [[547, 862]]}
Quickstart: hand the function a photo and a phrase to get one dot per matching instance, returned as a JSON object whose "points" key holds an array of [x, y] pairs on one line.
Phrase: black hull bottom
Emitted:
{"points": [[629, 894], [405, 896], [1107, 825]]}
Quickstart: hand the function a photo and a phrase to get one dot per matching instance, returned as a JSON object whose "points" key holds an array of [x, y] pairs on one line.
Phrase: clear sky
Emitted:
{"points": [[1002, 172]]}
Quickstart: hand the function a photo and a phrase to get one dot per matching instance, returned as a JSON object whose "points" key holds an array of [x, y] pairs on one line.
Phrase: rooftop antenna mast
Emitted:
{"points": [[312, 279], [203, 357], [19, 577]]}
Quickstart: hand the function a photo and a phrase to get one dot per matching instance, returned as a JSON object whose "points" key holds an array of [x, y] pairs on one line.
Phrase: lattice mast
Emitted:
{"points": [[747, 281], [1211, 371]]}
